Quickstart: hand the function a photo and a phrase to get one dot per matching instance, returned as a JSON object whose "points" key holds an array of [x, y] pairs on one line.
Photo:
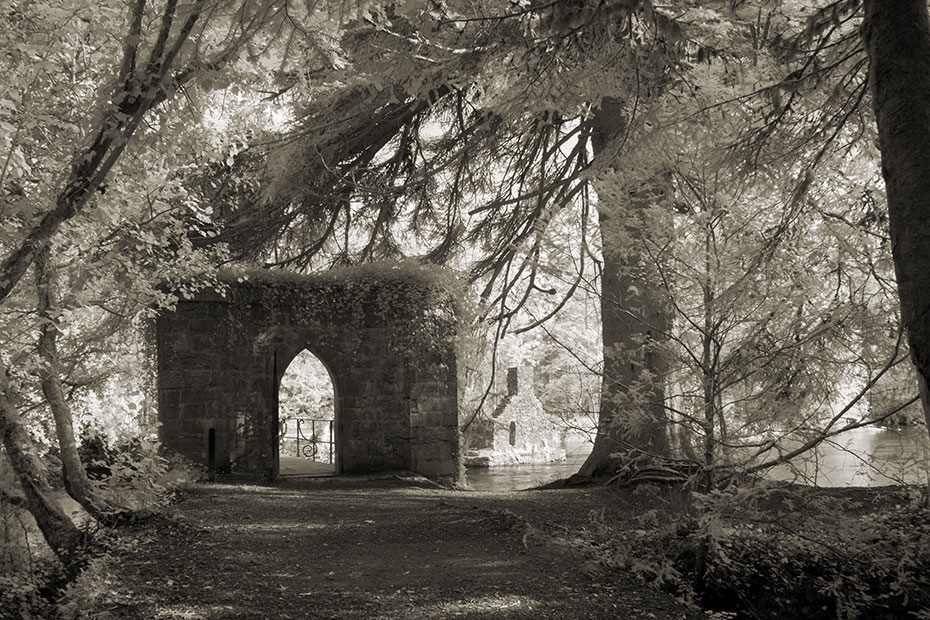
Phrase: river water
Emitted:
{"points": [[863, 457], [511, 477]]}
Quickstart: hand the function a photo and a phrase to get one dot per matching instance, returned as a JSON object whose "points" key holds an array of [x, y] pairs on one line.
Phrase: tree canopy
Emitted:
{"points": [[706, 171]]}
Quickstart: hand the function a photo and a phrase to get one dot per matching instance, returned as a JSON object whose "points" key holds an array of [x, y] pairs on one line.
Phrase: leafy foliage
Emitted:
{"points": [[469, 135], [25, 595], [784, 553], [135, 479]]}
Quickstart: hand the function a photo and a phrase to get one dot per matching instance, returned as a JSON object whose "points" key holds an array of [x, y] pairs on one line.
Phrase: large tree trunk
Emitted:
{"points": [[73, 473], [60, 532], [897, 38], [634, 321]]}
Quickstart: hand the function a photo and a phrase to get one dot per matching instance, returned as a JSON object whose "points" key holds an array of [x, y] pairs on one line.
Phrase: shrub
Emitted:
{"points": [[766, 556], [24, 594], [134, 477]]}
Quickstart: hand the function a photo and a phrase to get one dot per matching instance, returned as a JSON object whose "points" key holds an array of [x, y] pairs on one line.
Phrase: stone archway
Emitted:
{"points": [[307, 441], [386, 334]]}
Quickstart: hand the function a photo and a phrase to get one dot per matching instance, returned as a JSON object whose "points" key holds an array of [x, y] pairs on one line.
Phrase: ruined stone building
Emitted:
{"points": [[385, 334], [517, 430]]}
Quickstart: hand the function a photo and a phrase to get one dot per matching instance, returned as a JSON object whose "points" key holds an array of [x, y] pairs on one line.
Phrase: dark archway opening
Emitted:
{"points": [[307, 437]]}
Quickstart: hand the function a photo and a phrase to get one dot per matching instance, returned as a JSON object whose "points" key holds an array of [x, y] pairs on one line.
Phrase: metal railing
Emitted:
{"points": [[318, 446]]}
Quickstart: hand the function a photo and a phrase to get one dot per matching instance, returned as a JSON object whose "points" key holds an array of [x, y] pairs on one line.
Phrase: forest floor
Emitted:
{"points": [[366, 548]]}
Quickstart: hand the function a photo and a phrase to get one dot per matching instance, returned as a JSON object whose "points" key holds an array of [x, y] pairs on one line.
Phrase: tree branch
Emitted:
{"points": [[127, 69], [155, 65]]}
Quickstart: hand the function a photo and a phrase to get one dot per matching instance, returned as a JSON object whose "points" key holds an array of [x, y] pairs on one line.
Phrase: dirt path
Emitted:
{"points": [[361, 548]]}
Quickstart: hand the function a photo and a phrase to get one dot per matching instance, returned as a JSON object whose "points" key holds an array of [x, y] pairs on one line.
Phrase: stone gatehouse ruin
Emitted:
{"points": [[386, 334]]}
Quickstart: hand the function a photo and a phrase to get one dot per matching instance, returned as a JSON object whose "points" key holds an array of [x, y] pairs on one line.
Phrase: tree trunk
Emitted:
{"points": [[634, 322], [59, 531], [897, 38], [73, 473], [709, 361]]}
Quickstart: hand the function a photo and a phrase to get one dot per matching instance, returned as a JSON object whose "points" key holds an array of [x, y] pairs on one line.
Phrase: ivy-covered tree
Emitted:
{"points": [[85, 119]]}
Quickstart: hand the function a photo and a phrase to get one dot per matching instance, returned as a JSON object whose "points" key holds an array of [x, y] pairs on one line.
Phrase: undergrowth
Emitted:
{"points": [[773, 553], [133, 478]]}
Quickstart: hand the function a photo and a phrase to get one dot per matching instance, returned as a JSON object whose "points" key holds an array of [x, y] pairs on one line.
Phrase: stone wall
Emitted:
{"points": [[387, 343], [517, 430]]}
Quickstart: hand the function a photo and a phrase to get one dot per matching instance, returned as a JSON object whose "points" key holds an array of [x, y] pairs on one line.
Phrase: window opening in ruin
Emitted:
{"points": [[513, 433], [306, 418]]}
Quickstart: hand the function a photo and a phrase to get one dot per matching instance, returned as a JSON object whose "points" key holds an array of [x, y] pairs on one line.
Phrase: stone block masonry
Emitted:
{"points": [[389, 351]]}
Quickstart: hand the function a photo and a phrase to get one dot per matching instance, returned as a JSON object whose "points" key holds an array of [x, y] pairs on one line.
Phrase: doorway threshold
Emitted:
{"points": [[292, 466]]}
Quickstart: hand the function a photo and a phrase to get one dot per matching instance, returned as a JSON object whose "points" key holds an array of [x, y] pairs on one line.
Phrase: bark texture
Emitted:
{"points": [[73, 473], [897, 38], [634, 322], [59, 531]]}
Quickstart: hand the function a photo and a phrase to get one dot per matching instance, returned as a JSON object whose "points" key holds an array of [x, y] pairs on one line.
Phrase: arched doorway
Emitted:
{"points": [[307, 418]]}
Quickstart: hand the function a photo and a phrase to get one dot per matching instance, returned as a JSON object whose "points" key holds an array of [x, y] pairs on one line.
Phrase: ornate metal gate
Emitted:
{"points": [[317, 446]]}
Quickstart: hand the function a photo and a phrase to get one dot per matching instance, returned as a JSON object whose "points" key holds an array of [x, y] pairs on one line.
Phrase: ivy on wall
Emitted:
{"points": [[420, 307]]}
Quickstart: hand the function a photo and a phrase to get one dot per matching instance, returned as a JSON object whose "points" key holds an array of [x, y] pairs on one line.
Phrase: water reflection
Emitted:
{"points": [[512, 477], [863, 457]]}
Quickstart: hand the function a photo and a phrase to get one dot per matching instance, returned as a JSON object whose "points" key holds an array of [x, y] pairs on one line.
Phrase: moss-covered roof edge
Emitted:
{"points": [[435, 278]]}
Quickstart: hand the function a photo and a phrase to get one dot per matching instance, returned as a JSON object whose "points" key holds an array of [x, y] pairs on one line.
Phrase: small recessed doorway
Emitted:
{"points": [[307, 419]]}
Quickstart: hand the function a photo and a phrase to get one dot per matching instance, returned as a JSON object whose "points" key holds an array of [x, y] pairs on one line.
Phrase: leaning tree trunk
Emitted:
{"points": [[139, 87], [74, 475], [59, 531], [897, 38], [634, 321]]}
